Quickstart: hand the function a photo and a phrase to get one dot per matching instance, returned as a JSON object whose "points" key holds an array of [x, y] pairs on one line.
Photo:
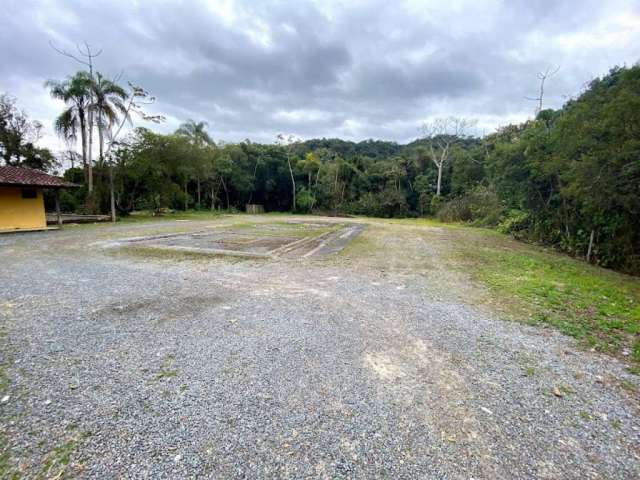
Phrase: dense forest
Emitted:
{"points": [[569, 178]]}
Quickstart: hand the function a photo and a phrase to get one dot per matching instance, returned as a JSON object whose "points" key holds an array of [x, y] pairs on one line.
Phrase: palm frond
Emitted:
{"points": [[66, 125]]}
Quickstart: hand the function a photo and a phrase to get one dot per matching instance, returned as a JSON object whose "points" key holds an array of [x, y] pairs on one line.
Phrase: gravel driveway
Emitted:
{"points": [[361, 364]]}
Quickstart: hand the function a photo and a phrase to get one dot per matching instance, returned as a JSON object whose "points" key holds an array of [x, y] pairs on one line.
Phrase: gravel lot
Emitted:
{"points": [[360, 364]]}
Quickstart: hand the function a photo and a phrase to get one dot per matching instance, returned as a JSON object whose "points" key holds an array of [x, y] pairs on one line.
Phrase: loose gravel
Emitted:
{"points": [[144, 367]]}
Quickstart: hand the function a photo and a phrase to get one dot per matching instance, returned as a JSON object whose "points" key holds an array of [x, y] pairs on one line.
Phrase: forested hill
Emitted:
{"points": [[569, 178], [367, 148]]}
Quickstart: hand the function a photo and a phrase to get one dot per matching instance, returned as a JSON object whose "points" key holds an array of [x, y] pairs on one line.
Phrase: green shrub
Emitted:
{"points": [[305, 200], [387, 203], [455, 210], [513, 221], [481, 206]]}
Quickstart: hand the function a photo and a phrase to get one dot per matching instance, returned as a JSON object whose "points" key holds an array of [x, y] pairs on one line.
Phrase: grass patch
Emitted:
{"points": [[598, 307], [165, 371], [628, 386], [585, 415], [416, 222], [56, 463], [283, 228], [159, 253], [7, 471], [145, 216]]}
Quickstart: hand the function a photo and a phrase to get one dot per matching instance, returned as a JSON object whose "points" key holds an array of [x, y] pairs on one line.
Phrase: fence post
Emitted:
{"points": [[58, 214]]}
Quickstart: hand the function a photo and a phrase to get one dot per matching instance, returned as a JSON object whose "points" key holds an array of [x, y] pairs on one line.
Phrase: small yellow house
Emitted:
{"points": [[21, 198]]}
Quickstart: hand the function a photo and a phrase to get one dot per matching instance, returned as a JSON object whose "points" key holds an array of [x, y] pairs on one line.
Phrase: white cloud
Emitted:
{"points": [[357, 69]]}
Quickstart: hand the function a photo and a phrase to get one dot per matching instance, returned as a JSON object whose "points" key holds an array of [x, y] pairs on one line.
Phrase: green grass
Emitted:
{"points": [[7, 471], [56, 463], [282, 229], [145, 216], [585, 415], [600, 308], [158, 253], [165, 371]]}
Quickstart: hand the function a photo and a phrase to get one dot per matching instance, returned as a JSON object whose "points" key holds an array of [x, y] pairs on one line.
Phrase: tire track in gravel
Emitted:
{"points": [[404, 370], [387, 339]]}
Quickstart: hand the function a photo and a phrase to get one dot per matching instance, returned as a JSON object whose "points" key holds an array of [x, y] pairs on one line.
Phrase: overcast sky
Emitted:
{"points": [[349, 69]]}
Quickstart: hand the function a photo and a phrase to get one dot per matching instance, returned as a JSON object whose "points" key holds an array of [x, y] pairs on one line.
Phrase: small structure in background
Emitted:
{"points": [[22, 200], [255, 208]]}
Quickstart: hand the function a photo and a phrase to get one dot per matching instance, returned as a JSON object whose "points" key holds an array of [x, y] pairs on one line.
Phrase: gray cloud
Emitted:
{"points": [[352, 69]]}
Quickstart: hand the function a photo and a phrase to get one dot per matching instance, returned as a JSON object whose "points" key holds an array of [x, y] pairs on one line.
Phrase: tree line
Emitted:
{"points": [[568, 178]]}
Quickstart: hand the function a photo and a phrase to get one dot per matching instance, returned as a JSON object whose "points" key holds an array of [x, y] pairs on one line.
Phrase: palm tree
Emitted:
{"points": [[75, 92], [108, 102], [197, 134]]}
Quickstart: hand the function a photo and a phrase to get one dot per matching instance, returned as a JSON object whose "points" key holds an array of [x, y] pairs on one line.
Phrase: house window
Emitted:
{"points": [[29, 193]]}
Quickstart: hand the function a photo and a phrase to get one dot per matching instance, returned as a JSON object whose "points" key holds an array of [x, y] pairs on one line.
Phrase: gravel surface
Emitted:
{"points": [[348, 366]]}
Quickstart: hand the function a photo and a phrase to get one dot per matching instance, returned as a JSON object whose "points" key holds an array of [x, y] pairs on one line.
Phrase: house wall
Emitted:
{"points": [[21, 213]]}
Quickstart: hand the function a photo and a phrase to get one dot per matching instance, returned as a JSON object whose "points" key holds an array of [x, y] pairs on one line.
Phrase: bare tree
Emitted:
{"points": [[442, 133], [287, 141], [70, 156], [542, 76], [137, 99]]}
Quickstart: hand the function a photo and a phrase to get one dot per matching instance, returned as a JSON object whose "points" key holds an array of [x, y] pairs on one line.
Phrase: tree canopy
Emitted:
{"points": [[569, 178]]}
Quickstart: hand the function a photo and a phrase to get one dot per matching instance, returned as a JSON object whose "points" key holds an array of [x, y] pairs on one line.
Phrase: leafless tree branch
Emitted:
{"points": [[543, 77]]}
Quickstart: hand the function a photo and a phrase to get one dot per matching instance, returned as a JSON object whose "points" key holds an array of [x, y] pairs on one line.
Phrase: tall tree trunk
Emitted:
{"points": [[439, 179], [186, 196], [83, 142], [100, 176], [253, 183], [199, 199], [590, 249], [293, 181], [226, 192], [90, 151], [112, 196], [89, 176], [86, 158], [100, 143]]}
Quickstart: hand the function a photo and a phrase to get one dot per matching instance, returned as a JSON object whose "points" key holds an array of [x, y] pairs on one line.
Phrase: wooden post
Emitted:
{"points": [[186, 196], [112, 196], [58, 214]]}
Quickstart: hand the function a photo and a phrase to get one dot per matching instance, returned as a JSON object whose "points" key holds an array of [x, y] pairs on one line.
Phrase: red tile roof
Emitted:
{"points": [[28, 177]]}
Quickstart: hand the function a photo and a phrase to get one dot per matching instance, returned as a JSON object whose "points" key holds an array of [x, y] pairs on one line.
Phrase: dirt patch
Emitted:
{"points": [[225, 241], [424, 379], [291, 239], [164, 308]]}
